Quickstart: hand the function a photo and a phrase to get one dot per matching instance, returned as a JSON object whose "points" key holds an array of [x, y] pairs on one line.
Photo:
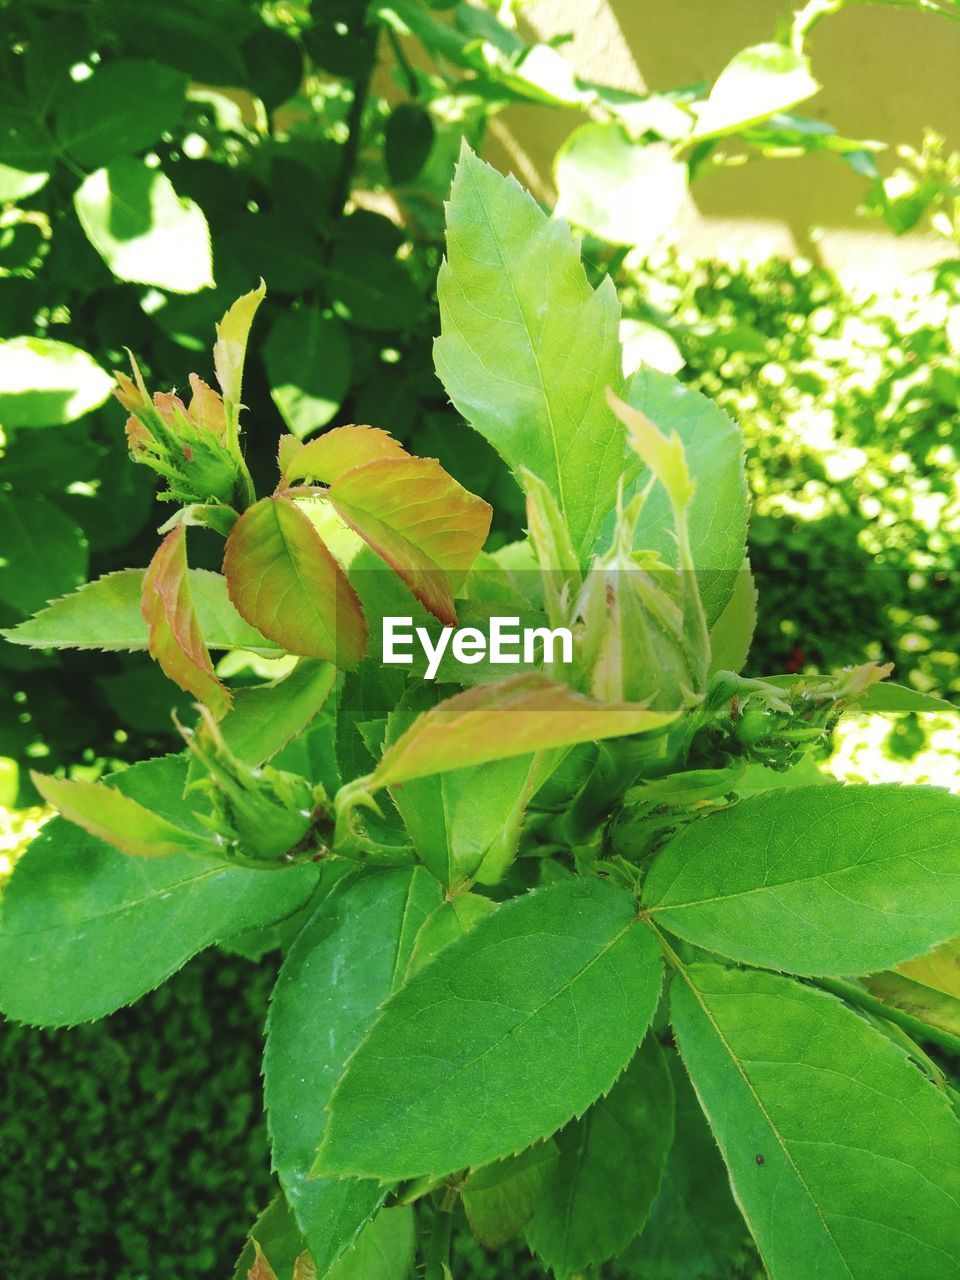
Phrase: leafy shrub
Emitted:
{"points": [[445, 1047]]}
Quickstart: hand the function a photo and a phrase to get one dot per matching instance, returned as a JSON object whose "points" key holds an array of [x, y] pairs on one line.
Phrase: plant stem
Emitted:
{"points": [[351, 148], [438, 1247], [403, 62]]}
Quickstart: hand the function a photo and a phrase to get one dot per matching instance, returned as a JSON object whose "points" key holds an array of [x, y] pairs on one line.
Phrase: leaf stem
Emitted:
{"points": [[437, 1260], [351, 148]]}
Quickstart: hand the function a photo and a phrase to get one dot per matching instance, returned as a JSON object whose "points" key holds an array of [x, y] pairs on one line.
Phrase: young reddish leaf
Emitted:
{"points": [[118, 819], [261, 1269], [427, 527], [304, 1268], [511, 718], [230, 348], [330, 455], [283, 580], [175, 640]]}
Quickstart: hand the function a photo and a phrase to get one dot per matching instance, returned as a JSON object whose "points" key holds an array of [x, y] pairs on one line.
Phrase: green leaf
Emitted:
{"points": [[611, 1164], [284, 581], [887, 697], [332, 455], [756, 83], [230, 348], [86, 929], [695, 1229], [278, 1237], [17, 184], [44, 383], [265, 718], [384, 1249], [43, 552], [370, 289], [450, 921], [499, 1198], [176, 642], [717, 516], [844, 1158], [105, 614], [514, 717], [408, 138], [620, 190], [344, 963], [143, 230], [108, 814], [308, 362], [732, 633], [501, 1040], [122, 108], [507, 365], [816, 880]]}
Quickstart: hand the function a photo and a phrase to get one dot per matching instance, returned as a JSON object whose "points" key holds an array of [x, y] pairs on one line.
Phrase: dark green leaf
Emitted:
{"points": [[121, 108], [308, 363], [43, 552]]}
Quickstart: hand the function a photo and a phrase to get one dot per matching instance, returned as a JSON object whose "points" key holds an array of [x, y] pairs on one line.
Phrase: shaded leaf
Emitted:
{"points": [[122, 108], [560, 984], [499, 1198], [284, 581], [308, 363], [599, 1194], [265, 718], [43, 552]]}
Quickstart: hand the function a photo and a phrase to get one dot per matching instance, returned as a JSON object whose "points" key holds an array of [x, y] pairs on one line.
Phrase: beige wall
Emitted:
{"points": [[886, 73]]}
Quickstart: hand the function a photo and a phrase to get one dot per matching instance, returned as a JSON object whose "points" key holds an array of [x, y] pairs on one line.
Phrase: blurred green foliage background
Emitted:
{"points": [[148, 152]]}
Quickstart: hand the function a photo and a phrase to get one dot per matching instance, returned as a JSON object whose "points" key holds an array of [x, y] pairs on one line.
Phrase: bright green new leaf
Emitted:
{"points": [[284, 581], [816, 880], [620, 190], [86, 929], [499, 1198], [887, 697], [611, 1163], [230, 348], [694, 1228], [44, 383], [17, 184], [501, 1040], [43, 552], [143, 230], [528, 368], [108, 814], [176, 642], [717, 516], [308, 361], [844, 1158], [755, 84], [344, 963], [105, 614], [120, 109], [265, 718], [328, 457], [515, 717]]}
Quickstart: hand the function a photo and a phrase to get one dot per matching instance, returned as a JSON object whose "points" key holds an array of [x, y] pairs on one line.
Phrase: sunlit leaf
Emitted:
{"points": [[756, 83], [44, 383], [230, 348]]}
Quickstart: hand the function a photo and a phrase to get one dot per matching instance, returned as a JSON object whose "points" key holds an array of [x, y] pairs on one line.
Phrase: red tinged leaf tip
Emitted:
{"points": [[174, 637], [284, 581]]}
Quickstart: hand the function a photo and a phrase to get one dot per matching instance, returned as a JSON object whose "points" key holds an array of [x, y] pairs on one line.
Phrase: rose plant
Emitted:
{"points": [[586, 952]]}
